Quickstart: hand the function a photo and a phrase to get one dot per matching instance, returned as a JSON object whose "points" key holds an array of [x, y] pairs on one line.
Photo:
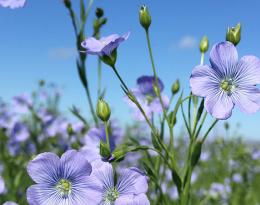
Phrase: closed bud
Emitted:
{"points": [[99, 12], [204, 44], [234, 34], [67, 3], [104, 150], [103, 110], [176, 87], [70, 130], [145, 17], [119, 153]]}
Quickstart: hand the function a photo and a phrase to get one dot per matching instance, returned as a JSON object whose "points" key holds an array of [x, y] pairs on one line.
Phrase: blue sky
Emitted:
{"points": [[37, 42]]}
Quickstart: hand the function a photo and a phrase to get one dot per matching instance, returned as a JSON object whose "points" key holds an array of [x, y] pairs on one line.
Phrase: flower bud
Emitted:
{"points": [[204, 44], [145, 17], [70, 130], [103, 110], [176, 87], [104, 150], [119, 153], [99, 12], [234, 34]]}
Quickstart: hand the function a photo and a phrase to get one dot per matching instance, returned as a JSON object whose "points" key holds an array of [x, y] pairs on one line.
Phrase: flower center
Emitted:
{"points": [[228, 86], [64, 187], [110, 196]]}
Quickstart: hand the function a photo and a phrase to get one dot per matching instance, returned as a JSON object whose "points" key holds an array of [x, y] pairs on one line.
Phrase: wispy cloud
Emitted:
{"points": [[187, 42], [62, 53]]}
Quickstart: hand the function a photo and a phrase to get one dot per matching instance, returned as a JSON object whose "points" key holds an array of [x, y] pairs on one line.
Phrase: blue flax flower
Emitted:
{"points": [[60, 181], [103, 46], [130, 188], [227, 82], [13, 4]]}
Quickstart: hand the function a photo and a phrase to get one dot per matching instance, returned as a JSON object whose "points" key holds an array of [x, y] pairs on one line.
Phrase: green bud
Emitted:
{"points": [[119, 153], [172, 119], [145, 17], [204, 44], [70, 130], [196, 153], [234, 34], [176, 87], [99, 12], [104, 150], [67, 3], [110, 60], [103, 110]]}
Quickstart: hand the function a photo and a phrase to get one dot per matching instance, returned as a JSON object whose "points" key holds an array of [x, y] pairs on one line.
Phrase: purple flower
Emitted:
{"points": [[20, 132], [237, 178], [227, 82], [10, 203], [103, 46], [130, 189], [2, 185], [22, 103], [146, 84], [62, 180], [13, 4], [146, 97]]}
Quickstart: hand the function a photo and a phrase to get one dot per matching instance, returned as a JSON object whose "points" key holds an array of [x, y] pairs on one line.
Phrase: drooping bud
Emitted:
{"points": [[234, 34], [204, 44], [103, 110], [104, 150], [176, 87], [145, 17], [99, 12]]}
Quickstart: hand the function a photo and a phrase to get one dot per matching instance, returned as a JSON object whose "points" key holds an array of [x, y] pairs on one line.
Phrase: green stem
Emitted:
{"points": [[120, 79], [202, 58], [99, 77], [107, 133]]}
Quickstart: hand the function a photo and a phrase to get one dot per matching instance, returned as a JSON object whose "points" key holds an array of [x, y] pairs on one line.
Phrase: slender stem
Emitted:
{"points": [[120, 79], [107, 133], [201, 124], [202, 58], [99, 77]]}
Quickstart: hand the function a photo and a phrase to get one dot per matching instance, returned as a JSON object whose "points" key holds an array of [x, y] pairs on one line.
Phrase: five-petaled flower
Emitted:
{"points": [[227, 82], [13, 4], [104, 46], [130, 188], [62, 180]]}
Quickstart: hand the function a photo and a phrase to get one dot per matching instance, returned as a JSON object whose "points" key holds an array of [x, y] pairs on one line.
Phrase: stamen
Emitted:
{"points": [[64, 187]]}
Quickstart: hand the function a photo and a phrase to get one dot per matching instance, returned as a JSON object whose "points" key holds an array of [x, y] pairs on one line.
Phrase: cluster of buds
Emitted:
{"points": [[98, 22]]}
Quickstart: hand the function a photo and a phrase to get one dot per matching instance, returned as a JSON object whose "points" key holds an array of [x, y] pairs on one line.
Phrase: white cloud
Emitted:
{"points": [[62, 53], [187, 42]]}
